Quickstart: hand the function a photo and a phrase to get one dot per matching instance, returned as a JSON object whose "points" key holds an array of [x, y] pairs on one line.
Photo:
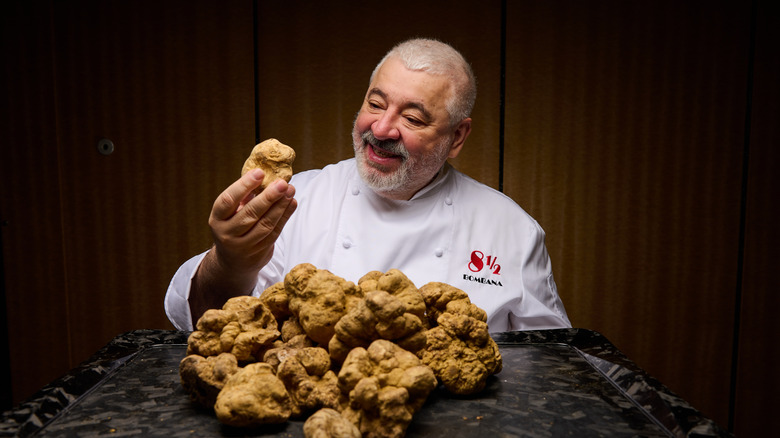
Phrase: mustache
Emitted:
{"points": [[395, 147]]}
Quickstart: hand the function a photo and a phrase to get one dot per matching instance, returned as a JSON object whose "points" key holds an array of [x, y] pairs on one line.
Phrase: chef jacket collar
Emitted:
{"points": [[433, 185]]}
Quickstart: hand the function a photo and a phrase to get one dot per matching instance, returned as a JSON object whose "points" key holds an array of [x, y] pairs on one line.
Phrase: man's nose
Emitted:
{"points": [[384, 127]]}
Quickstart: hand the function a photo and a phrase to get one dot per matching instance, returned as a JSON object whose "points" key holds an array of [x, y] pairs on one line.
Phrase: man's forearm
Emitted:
{"points": [[213, 284]]}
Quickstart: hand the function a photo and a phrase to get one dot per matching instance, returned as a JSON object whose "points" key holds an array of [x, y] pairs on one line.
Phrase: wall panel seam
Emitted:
{"points": [[742, 217], [58, 141], [502, 98]]}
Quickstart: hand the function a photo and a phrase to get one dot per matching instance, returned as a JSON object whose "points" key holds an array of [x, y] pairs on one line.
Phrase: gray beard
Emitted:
{"points": [[401, 180], [374, 177]]}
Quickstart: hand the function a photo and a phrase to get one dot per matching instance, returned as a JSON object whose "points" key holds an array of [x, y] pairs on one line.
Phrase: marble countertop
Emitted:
{"points": [[568, 382]]}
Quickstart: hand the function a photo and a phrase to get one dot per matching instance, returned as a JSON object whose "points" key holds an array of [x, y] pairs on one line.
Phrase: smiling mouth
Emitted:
{"points": [[383, 153]]}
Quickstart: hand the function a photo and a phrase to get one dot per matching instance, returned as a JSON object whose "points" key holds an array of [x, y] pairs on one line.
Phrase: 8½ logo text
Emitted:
{"points": [[480, 261]]}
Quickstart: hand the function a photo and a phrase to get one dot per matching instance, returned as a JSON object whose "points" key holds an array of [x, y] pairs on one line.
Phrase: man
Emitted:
{"points": [[397, 204]]}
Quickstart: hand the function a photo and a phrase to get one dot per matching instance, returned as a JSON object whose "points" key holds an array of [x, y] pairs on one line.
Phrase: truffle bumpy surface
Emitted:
{"points": [[353, 360], [274, 158]]}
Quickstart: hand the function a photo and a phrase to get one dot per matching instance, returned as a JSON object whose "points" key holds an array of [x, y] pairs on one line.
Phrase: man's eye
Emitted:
{"points": [[414, 121]]}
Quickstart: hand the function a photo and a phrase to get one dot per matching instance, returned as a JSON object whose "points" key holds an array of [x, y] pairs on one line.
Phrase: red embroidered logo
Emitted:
{"points": [[480, 261]]}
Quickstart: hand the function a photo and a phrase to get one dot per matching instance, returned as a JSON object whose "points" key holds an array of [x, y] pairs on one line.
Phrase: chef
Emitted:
{"points": [[397, 205]]}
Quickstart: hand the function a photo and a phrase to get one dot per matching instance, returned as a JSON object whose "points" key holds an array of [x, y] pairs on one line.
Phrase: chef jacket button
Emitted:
{"points": [[439, 252], [346, 244], [355, 191], [448, 200]]}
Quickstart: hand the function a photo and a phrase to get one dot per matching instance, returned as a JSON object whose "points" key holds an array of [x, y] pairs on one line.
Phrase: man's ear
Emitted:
{"points": [[462, 131]]}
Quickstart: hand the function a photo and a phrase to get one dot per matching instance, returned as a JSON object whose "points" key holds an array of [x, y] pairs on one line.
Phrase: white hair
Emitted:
{"points": [[438, 58]]}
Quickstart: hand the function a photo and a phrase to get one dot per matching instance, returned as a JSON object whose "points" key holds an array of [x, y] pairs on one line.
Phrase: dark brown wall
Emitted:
{"points": [[755, 376], [91, 240], [625, 126], [641, 135]]}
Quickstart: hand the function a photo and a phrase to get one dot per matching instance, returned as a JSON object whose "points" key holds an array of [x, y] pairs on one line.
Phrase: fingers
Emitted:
{"points": [[230, 200], [272, 224], [237, 214], [263, 214]]}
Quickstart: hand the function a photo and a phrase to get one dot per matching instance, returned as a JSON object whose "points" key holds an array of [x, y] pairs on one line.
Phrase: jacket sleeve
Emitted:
{"points": [[177, 306], [540, 307]]}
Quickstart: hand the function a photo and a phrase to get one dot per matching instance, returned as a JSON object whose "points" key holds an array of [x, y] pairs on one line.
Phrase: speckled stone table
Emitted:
{"points": [[555, 383]]}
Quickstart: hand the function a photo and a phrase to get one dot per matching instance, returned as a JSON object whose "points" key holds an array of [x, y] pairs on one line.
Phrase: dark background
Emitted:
{"points": [[642, 135]]}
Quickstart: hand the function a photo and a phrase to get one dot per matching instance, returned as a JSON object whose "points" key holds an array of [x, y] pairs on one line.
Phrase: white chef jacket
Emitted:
{"points": [[455, 230]]}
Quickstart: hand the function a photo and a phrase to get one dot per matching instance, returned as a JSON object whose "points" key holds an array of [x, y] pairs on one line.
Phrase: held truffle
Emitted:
{"points": [[274, 158]]}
